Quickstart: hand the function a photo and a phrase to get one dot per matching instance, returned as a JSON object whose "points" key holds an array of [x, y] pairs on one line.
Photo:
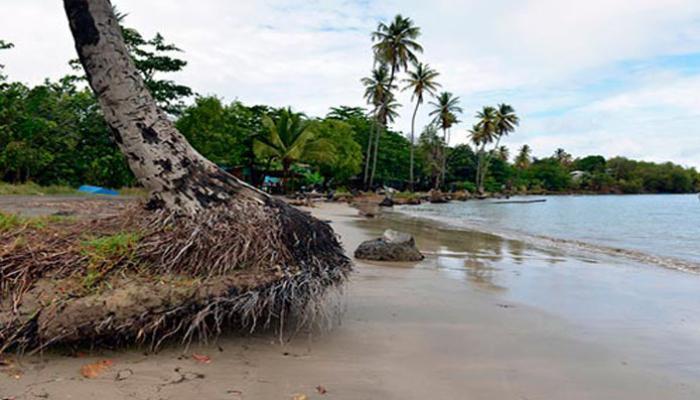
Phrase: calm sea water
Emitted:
{"points": [[659, 228]]}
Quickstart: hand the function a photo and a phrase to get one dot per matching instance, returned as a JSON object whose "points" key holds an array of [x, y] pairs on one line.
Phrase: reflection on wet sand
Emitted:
{"points": [[465, 253]]}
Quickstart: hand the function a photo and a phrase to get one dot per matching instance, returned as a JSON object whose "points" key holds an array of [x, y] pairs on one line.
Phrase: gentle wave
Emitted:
{"points": [[560, 244]]}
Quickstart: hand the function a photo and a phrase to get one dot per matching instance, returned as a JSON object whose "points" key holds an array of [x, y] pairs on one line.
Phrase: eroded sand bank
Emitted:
{"points": [[480, 318]]}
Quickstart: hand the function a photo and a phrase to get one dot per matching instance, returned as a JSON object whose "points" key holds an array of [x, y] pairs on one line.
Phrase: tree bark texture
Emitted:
{"points": [[176, 175]]}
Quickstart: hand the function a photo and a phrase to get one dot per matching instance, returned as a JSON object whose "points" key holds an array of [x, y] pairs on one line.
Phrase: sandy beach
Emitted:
{"points": [[479, 318]]}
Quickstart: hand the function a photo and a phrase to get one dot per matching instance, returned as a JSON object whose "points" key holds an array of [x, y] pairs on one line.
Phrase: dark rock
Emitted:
{"points": [[437, 196], [392, 246], [387, 202]]}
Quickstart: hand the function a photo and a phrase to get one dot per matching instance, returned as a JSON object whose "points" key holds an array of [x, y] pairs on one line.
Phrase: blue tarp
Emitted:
{"points": [[97, 190]]}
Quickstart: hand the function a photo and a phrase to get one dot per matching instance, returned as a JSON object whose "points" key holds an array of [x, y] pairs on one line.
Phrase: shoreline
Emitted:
{"points": [[557, 244], [480, 315]]}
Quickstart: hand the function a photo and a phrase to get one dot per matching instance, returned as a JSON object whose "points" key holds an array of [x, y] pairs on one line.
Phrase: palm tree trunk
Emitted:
{"points": [[413, 130], [374, 161], [443, 156], [368, 154], [487, 162], [379, 131], [176, 175]]}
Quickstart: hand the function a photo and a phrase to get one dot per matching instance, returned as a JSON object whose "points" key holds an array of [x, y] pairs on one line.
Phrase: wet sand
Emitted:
{"points": [[480, 318]]}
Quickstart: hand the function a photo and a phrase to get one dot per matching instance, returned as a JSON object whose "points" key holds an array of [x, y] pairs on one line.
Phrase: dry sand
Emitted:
{"points": [[480, 318]]}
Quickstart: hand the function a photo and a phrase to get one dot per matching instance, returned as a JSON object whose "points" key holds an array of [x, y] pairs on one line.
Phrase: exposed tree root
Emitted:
{"points": [[146, 277]]}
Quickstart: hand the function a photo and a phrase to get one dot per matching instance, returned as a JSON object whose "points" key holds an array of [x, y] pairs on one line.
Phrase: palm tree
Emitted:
{"points": [[377, 86], [523, 159], [421, 80], [395, 44], [504, 122], [386, 112], [289, 140], [345, 113], [482, 134], [445, 110], [503, 153]]}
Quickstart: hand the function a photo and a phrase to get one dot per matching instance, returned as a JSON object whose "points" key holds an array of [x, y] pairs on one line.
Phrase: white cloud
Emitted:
{"points": [[539, 55]]}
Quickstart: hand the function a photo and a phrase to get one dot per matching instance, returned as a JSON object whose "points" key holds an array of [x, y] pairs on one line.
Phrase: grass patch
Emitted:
{"points": [[10, 222], [133, 191], [32, 189], [110, 247], [104, 253]]}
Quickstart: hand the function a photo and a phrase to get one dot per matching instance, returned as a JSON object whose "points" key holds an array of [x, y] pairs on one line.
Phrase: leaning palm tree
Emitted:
{"points": [[377, 88], [421, 80], [204, 250], [289, 140], [386, 113], [445, 110]]}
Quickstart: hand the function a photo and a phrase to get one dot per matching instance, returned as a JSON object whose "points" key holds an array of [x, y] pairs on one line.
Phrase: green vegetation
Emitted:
{"points": [[33, 189], [53, 137], [104, 253], [101, 249], [9, 222]]}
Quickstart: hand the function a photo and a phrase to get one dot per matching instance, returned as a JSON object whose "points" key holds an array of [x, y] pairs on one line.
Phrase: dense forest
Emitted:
{"points": [[54, 134]]}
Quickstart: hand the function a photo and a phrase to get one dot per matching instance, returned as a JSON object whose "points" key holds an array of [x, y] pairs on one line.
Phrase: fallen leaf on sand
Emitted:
{"points": [[92, 371], [201, 358], [300, 397], [321, 390]]}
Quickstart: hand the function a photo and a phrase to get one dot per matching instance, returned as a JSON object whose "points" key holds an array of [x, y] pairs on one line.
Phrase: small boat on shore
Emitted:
{"points": [[518, 201]]}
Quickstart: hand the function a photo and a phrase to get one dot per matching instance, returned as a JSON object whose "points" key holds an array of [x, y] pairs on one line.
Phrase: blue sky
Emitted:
{"points": [[614, 77]]}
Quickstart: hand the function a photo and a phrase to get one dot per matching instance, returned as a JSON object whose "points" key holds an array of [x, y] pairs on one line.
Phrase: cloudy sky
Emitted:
{"points": [[611, 77]]}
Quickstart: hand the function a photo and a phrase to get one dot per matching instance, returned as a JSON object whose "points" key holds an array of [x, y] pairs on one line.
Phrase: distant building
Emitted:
{"points": [[577, 175]]}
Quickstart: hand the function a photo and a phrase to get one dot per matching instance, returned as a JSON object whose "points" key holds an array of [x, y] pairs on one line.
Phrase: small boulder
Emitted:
{"points": [[437, 197], [387, 202], [392, 246]]}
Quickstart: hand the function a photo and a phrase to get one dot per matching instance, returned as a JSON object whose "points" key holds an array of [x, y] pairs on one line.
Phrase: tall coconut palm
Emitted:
{"points": [[482, 134], [445, 110], [395, 44], [499, 122], [420, 81], [289, 140], [376, 88]]}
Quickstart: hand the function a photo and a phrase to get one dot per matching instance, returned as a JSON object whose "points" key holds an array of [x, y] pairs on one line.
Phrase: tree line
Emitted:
{"points": [[54, 133]]}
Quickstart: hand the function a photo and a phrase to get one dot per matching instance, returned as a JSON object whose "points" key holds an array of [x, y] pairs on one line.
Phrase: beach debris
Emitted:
{"points": [[300, 396], [321, 390], [505, 305], [201, 358], [92, 371], [392, 246], [123, 374]]}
